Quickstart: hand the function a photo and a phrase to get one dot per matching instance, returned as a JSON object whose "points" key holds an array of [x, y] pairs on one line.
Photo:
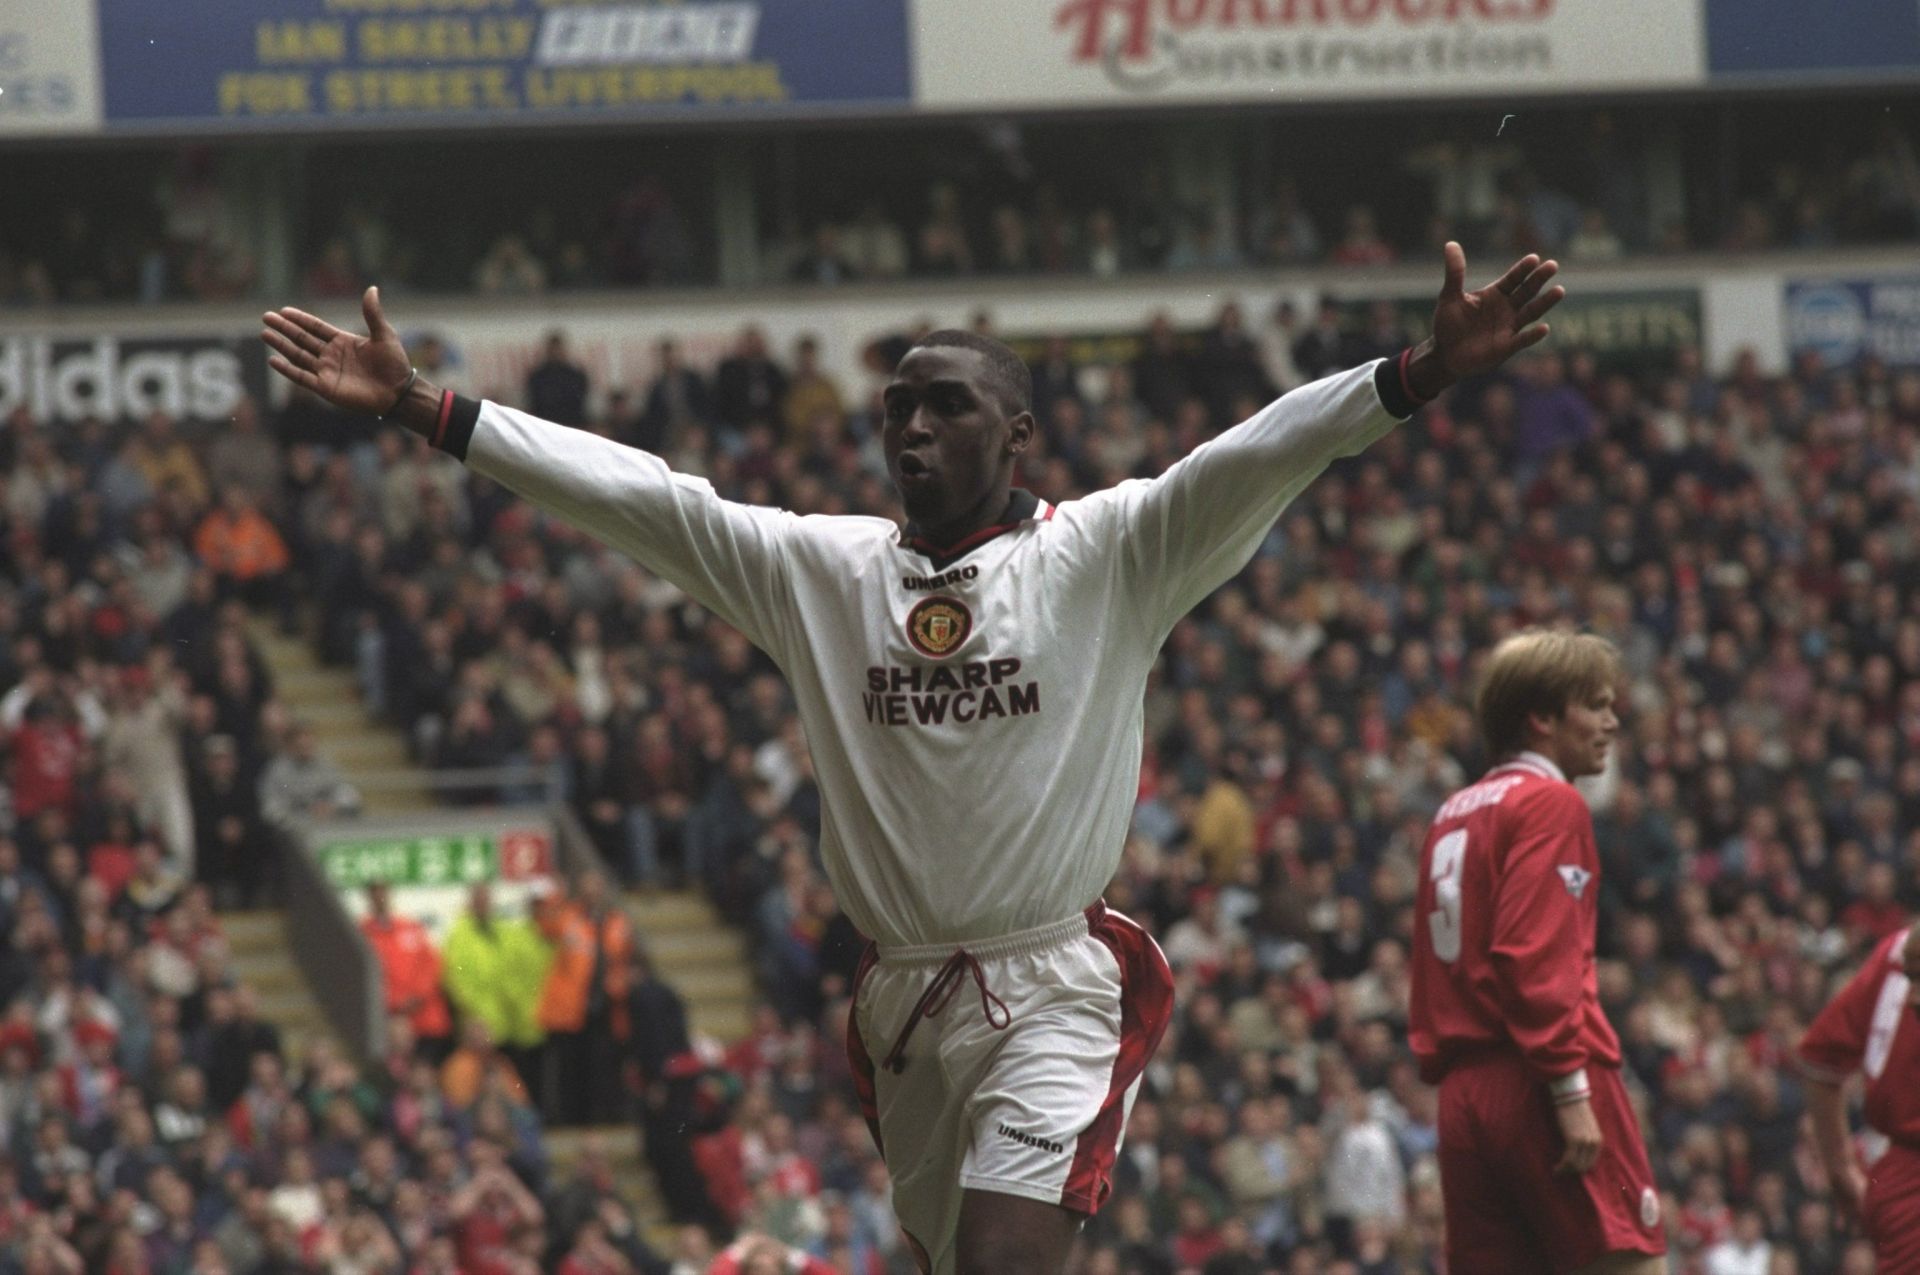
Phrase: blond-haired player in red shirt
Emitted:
{"points": [[1542, 1168], [1873, 1027]]}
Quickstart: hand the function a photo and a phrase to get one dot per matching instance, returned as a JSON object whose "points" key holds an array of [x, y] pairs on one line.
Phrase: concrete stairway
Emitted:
{"points": [[622, 1146], [701, 957], [262, 959], [373, 754]]}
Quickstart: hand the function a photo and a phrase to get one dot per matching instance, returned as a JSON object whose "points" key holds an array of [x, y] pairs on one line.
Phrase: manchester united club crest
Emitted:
{"points": [[936, 626]]}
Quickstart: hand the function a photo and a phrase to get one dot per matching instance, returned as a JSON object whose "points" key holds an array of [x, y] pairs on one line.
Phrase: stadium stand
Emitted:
{"points": [[1749, 542], [1053, 199]]}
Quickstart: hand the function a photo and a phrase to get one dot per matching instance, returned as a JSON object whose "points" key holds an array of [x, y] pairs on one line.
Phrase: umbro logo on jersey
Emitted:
{"points": [[936, 626], [921, 584], [1576, 879], [1042, 1144]]}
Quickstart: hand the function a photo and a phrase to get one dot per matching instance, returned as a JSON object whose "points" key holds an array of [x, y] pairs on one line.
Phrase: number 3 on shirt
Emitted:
{"points": [[1443, 923]]}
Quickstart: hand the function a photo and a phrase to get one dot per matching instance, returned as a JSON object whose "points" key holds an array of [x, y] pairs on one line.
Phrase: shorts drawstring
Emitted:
{"points": [[934, 999]]}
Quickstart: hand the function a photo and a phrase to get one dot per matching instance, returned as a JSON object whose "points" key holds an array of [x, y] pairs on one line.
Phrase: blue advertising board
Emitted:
{"points": [[1850, 38], [1844, 320], [224, 64]]}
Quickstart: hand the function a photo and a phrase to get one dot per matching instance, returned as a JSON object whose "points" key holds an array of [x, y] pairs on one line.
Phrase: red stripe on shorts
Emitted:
{"points": [[857, 1049], [1146, 1007]]}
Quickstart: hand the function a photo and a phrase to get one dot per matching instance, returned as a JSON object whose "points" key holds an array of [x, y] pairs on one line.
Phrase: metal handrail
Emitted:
{"points": [[450, 777]]}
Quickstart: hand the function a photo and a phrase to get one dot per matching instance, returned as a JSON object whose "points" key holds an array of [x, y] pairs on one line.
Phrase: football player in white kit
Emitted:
{"points": [[971, 687]]}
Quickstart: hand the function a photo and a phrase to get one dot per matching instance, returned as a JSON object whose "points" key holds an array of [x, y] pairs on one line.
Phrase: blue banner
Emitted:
{"points": [[348, 63], [1845, 37], [1844, 320]]}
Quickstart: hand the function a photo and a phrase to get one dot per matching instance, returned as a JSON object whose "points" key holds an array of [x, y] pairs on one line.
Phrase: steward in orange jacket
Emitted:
{"points": [[409, 969], [591, 941]]}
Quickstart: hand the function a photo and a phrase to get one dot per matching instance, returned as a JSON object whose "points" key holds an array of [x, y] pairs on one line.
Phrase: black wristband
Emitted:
{"points": [[413, 374], [455, 429], [1390, 380]]}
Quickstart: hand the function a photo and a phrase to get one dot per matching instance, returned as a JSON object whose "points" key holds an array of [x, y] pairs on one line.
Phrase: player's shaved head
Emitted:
{"points": [[1012, 383]]}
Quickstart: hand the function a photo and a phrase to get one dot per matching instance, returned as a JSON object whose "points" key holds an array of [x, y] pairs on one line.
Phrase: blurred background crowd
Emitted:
{"points": [[958, 201], [1751, 543]]}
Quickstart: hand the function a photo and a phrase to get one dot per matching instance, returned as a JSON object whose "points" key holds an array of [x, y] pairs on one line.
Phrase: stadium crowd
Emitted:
{"points": [[1752, 544]]}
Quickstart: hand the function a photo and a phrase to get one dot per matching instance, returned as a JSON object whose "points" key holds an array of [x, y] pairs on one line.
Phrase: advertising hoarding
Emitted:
{"points": [[1844, 320], [1139, 53], [1852, 39], [354, 63], [62, 380], [49, 68]]}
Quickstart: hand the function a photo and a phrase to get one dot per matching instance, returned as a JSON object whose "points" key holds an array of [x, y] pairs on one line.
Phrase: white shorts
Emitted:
{"points": [[1033, 1107]]}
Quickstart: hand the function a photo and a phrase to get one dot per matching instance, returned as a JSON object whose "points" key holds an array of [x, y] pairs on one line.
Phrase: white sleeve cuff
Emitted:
{"points": [[1572, 1087]]}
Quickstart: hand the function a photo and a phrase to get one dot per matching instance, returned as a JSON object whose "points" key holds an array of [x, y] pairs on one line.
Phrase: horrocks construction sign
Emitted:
{"points": [[1136, 52]]}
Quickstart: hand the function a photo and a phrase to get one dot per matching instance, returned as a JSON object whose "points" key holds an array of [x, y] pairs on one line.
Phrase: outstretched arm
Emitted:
{"points": [[730, 557], [1191, 529]]}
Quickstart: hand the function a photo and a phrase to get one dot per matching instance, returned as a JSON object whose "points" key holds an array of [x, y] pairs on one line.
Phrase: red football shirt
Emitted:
{"points": [[1869, 1027], [1504, 926]]}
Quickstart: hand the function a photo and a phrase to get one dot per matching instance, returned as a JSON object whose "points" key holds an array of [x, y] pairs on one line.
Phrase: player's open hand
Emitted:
{"points": [[358, 373], [1582, 1133], [1477, 331]]}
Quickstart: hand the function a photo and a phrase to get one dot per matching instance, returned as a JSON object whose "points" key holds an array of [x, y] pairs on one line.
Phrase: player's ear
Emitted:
{"points": [[1020, 433], [1542, 724]]}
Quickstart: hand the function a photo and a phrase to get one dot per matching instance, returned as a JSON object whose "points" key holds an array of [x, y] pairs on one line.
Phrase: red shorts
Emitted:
{"points": [[1508, 1212], [1891, 1212]]}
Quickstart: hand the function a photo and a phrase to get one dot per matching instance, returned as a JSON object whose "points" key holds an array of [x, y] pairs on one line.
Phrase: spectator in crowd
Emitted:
{"points": [[167, 462], [409, 972], [1201, 244], [647, 239], [244, 455], [299, 783], [1280, 231], [811, 397], [823, 263], [1595, 239], [749, 388], [1360, 242], [142, 742], [1010, 251], [244, 549], [496, 970], [1324, 346], [1104, 250], [875, 246], [566, 1003], [235, 853], [678, 402], [333, 273], [943, 247], [557, 386], [509, 270]]}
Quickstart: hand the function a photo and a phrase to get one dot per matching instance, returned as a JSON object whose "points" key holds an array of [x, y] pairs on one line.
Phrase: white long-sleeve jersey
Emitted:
{"points": [[975, 718]]}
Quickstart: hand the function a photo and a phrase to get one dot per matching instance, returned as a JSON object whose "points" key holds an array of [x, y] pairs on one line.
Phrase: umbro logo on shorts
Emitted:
{"points": [[1044, 1144]]}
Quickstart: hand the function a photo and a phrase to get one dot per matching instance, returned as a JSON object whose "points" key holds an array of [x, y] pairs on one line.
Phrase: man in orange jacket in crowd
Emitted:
{"points": [[242, 547], [582, 1007], [410, 972]]}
